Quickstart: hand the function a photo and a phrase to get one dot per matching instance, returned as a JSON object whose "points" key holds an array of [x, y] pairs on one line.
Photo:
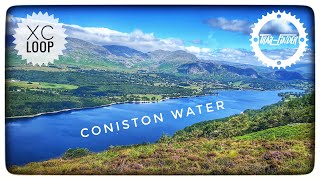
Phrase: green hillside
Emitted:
{"points": [[201, 156], [291, 131], [90, 75], [297, 110]]}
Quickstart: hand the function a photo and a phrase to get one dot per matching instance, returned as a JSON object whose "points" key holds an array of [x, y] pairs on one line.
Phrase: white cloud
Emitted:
{"points": [[287, 53], [232, 51], [136, 39], [245, 56], [147, 42], [235, 56], [197, 41], [242, 26], [202, 53], [234, 25], [278, 26], [12, 24]]}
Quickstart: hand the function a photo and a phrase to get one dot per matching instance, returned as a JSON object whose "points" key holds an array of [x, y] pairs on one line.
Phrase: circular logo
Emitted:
{"points": [[257, 39], [40, 39]]}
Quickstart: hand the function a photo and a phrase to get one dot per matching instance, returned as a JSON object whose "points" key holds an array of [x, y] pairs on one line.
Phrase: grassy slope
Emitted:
{"points": [[297, 110], [288, 154], [292, 131], [40, 85]]}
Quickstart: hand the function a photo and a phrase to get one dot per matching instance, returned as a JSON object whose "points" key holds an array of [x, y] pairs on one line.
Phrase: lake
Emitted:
{"points": [[49, 136]]}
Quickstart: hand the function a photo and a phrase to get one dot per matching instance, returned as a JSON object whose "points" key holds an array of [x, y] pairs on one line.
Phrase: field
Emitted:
{"points": [[39, 85]]}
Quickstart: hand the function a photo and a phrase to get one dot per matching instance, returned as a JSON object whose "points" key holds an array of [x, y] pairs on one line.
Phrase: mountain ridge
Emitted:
{"points": [[82, 54]]}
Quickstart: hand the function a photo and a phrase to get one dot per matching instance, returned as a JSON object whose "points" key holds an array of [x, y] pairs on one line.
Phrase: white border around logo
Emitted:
{"points": [[302, 40]]}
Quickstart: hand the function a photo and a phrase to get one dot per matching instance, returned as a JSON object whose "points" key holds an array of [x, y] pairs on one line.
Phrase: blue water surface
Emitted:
{"points": [[49, 136]]}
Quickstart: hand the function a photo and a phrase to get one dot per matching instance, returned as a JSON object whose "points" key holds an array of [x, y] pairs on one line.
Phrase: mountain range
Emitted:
{"points": [[80, 53]]}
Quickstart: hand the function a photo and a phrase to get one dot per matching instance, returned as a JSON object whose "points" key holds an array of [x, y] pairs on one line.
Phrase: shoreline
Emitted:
{"points": [[134, 102], [115, 103], [100, 106]]}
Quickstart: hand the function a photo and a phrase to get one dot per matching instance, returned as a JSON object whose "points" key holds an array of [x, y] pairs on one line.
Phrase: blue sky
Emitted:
{"points": [[208, 27]]}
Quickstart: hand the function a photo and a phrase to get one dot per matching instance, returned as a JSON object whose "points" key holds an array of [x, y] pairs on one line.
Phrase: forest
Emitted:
{"points": [[29, 92]]}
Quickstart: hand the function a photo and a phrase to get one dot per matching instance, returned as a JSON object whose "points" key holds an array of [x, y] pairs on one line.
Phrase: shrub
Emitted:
{"points": [[75, 153], [165, 139]]}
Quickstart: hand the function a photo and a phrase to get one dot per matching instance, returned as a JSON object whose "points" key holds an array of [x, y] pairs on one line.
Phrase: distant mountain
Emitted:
{"points": [[124, 51], [241, 71], [87, 53], [302, 68], [172, 56], [286, 75], [83, 54], [212, 68], [79, 48]]}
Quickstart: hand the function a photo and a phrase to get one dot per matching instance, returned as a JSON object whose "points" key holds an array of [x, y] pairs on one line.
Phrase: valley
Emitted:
{"points": [[159, 90], [95, 86], [89, 75]]}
